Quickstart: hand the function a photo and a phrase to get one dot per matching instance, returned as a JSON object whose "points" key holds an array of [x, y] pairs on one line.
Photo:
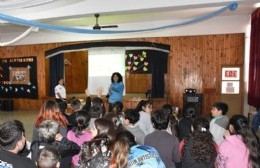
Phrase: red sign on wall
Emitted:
{"points": [[231, 74]]}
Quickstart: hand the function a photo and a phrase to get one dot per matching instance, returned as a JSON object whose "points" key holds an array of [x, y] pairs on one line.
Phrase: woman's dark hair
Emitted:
{"points": [[96, 111], [105, 129], [241, 127], [172, 119], [98, 102], [168, 108], [120, 78], [121, 149], [203, 148], [160, 119], [96, 153], [114, 118], [132, 115], [82, 119], [117, 108], [63, 106], [120, 153], [75, 104], [142, 103], [127, 137]]}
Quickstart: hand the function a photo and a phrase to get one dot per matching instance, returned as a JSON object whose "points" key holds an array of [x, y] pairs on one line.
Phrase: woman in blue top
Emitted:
{"points": [[116, 89]]}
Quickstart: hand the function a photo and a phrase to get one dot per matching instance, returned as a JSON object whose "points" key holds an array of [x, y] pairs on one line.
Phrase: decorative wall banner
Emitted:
{"points": [[138, 62], [148, 62], [231, 6], [18, 77]]}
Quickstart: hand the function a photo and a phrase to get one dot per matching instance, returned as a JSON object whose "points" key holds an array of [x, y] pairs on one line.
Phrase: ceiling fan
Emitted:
{"points": [[98, 27]]}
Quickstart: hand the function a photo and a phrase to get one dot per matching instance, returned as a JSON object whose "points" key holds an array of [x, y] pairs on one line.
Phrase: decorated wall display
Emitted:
{"points": [[18, 77], [138, 61]]}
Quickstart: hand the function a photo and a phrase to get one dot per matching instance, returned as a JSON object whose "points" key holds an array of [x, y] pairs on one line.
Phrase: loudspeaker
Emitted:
{"points": [[195, 99]]}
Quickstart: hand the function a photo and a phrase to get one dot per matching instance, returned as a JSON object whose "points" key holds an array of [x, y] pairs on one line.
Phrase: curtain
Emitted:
{"points": [[159, 68], [56, 71], [254, 61]]}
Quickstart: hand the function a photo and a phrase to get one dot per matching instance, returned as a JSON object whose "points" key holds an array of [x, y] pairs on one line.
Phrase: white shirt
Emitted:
{"points": [[60, 89], [145, 123]]}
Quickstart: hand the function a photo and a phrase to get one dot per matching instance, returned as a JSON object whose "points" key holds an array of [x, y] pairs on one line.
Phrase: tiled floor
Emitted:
{"points": [[26, 117]]}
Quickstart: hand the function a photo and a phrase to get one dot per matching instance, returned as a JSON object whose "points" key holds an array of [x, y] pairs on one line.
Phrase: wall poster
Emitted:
{"points": [[230, 80], [18, 77]]}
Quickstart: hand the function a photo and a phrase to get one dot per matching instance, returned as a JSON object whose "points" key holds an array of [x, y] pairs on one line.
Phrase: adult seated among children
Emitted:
{"points": [[12, 140], [165, 143]]}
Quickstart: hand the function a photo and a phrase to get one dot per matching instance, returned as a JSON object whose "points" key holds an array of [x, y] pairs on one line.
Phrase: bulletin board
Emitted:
{"points": [[18, 77]]}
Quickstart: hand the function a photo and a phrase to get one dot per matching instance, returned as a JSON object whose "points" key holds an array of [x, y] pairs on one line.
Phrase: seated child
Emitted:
{"points": [[131, 117], [219, 123], [48, 157], [49, 136]]}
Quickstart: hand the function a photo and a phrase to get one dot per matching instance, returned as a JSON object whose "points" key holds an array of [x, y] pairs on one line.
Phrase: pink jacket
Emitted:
{"points": [[233, 153], [86, 136]]}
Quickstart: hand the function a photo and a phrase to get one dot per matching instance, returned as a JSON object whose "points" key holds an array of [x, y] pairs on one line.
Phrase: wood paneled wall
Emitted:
{"points": [[76, 71], [138, 83], [194, 62]]}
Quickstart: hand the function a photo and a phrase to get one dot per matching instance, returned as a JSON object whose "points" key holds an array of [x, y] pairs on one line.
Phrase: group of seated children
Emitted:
{"points": [[140, 137]]}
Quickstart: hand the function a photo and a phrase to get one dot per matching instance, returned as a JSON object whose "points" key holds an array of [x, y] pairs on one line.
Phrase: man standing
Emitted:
{"points": [[12, 141], [60, 92]]}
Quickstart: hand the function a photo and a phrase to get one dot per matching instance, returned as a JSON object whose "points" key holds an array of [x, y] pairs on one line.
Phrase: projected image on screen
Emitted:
{"points": [[101, 65]]}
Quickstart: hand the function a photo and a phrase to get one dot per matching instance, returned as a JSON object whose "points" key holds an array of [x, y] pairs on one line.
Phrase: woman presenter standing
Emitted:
{"points": [[116, 89]]}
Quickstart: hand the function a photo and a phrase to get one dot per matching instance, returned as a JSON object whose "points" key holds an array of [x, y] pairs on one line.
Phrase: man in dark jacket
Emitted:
{"points": [[12, 141]]}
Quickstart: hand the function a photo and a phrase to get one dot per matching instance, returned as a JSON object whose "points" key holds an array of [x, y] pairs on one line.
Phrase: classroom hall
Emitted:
{"points": [[178, 63]]}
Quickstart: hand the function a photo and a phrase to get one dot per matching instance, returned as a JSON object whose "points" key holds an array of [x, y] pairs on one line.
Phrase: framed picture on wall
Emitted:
{"points": [[231, 73], [19, 75], [230, 87]]}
